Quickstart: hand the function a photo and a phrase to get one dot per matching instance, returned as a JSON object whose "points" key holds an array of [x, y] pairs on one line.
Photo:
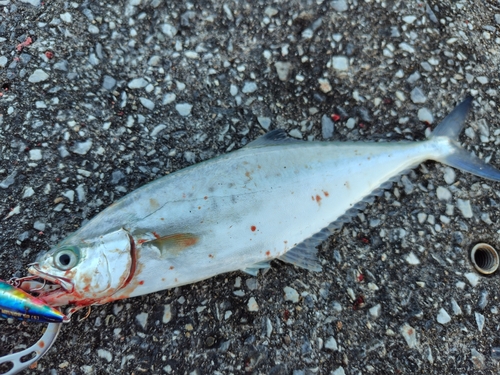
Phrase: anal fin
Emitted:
{"points": [[254, 268], [304, 255]]}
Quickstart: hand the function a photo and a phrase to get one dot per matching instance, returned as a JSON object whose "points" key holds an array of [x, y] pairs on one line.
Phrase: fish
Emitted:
{"points": [[275, 198], [16, 303]]}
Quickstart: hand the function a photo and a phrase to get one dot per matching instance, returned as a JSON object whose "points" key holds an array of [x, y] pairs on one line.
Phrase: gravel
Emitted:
{"points": [[100, 98]]}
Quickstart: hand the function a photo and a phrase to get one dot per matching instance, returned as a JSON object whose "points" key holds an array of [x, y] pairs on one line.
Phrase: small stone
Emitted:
{"points": [[326, 127], [3, 61], [443, 317], [477, 359], [417, 96], [291, 294], [465, 208], [424, 115], [406, 47], [331, 344], [375, 311], [497, 19], [168, 30], [409, 19], [340, 5], [340, 63], [324, 85], [108, 83], [105, 354], [66, 17], [157, 129], [410, 335], [82, 148], [414, 77], [233, 90], [351, 123], [167, 314], [149, 104], [270, 11], [449, 175], [421, 217], [142, 319], [38, 76], [28, 192], [184, 109], [407, 184], [482, 80], [455, 307], [249, 87], [412, 259], [252, 305], [38, 225], [154, 60], [265, 122], [36, 154], [443, 194], [480, 321], [473, 278], [35, 3], [137, 83], [168, 98], [338, 371]]}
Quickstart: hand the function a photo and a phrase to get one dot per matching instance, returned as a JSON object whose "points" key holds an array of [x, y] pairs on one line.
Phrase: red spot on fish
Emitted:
{"points": [[335, 117], [205, 197], [210, 256], [268, 253], [171, 267], [253, 228], [156, 235], [318, 199], [141, 282], [141, 241], [41, 344], [326, 193]]}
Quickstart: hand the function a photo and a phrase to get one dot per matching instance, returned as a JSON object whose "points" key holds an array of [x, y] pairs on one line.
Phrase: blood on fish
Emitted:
{"points": [[318, 199], [253, 228], [326, 193]]}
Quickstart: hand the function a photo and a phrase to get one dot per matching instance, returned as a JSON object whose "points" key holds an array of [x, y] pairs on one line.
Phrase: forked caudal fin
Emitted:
{"points": [[460, 158]]}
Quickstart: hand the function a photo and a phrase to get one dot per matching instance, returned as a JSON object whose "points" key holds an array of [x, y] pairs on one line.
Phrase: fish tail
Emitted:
{"points": [[450, 129]]}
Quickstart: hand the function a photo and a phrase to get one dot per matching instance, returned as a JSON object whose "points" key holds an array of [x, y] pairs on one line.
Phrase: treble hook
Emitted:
{"points": [[35, 352]]}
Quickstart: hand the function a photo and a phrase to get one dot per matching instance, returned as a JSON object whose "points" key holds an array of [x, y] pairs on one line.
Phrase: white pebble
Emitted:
{"points": [[473, 278], [410, 335], [406, 47], [157, 129], [424, 115], [28, 192], [168, 30], [412, 259], [449, 175], [291, 294], [38, 76], [456, 308], [36, 154], [167, 314], [82, 147], [465, 208], [283, 69], [142, 319], [168, 98], [249, 87], [443, 194], [265, 122], [480, 321], [417, 96], [340, 63], [339, 5], [252, 305], [375, 311], [233, 90], [409, 19], [326, 127], [184, 109], [351, 122], [66, 17], [149, 104], [331, 344], [339, 371], [105, 354], [443, 317], [3, 61], [137, 83]]}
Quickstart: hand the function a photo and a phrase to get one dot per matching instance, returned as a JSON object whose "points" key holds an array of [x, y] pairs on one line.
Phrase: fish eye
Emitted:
{"points": [[66, 258]]}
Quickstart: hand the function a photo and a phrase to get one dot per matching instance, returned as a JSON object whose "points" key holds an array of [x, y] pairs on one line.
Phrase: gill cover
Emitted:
{"points": [[93, 269]]}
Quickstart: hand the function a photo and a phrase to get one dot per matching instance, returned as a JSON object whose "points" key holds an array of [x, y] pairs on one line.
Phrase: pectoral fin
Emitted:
{"points": [[173, 244]]}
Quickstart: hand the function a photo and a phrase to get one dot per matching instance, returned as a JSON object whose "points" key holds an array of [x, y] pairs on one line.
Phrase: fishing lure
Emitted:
{"points": [[16, 303]]}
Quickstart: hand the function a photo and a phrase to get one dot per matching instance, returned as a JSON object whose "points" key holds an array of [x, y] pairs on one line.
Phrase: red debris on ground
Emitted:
{"points": [[335, 117], [26, 43], [49, 54]]}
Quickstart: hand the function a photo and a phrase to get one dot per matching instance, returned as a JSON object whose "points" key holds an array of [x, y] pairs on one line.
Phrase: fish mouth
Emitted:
{"points": [[51, 284]]}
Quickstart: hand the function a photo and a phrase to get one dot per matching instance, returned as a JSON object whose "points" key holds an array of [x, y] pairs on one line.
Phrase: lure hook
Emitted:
{"points": [[19, 361]]}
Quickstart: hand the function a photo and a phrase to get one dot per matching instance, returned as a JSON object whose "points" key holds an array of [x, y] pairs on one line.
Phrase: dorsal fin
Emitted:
{"points": [[274, 137]]}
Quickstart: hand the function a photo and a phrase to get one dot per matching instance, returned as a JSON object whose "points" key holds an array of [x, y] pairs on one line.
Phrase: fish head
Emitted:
{"points": [[87, 272]]}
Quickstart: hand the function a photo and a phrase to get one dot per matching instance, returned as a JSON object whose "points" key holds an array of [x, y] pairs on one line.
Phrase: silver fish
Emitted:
{"points": [[276, 198]]}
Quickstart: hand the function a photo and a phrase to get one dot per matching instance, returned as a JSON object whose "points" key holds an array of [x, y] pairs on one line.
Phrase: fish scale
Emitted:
{"points": [[276, 198]]}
